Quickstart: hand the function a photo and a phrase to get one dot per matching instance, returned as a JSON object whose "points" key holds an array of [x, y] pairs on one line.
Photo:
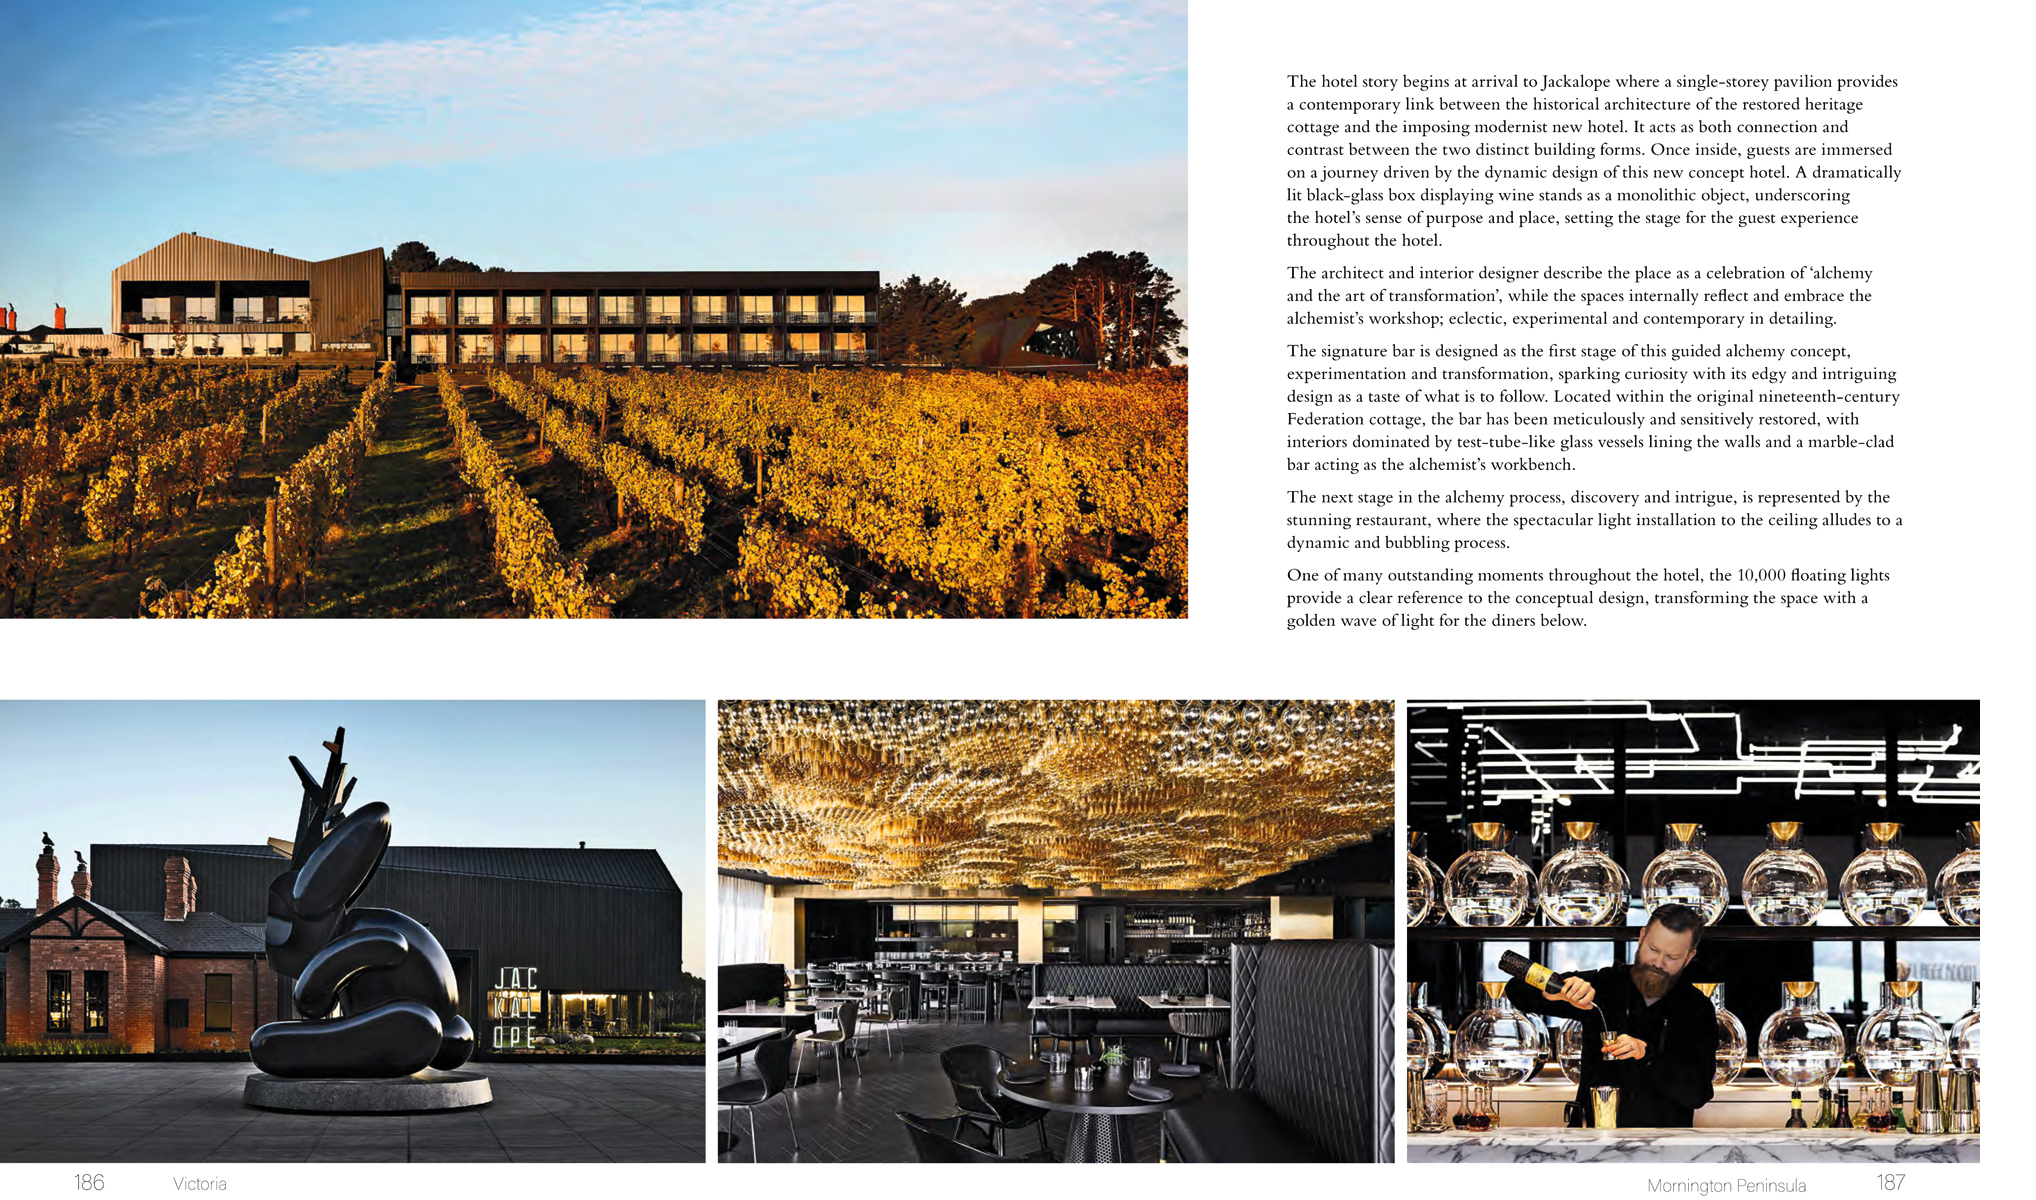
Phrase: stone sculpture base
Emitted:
{"points": [[424, 1092]]}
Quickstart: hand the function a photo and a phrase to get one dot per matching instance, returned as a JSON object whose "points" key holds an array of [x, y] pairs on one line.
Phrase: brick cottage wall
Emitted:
{"points": [[142, 1009], [17, 993], [184, 978], [98, 947]]}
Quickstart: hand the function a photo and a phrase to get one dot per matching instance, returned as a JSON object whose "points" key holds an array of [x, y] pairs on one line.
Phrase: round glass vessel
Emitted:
{"points": [[1800, 1045], [1901, 1039], [1497, 1044], [1784, 885], [1965, 1036], [1958, 881], [1427, 1036], [1580, 883], [1884, 885], [1569, 1048], [1421, 882], [1683, 874], [1731, 1036], [1487, 886]]}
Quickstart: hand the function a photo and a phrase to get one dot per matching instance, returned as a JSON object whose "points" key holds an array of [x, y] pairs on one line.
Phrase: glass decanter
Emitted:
{"points": [[1683, 874], [1581, 884], [1884, 885], [1421, 882], [1958, 881], [1486, 885], [1965, 1036], [1427, 1036], [1784, 885], [1800, 1045], [1901, 1039], [1569, 1048], [1497, 1044], [1731, 1036]]}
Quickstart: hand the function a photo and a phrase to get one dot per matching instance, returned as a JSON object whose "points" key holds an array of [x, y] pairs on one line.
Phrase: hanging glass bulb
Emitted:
{"points": [[1884, 885], [1486, 885], [1581, 884], [1800, 1045], [1901, 1039], [1731, 1036], [1420, 883], [1965, 1035], [1958, 880], [1784, 884], [1497, 1044], [1684, 874]]}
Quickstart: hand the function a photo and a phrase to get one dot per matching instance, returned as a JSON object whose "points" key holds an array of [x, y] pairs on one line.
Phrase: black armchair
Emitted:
{"points": [[972, 1072], [774, 1073], [940, 1140], [1071, 1025]]}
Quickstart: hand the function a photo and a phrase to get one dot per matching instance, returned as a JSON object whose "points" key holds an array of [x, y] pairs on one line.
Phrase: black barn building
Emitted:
{"points": [[544, 940]]}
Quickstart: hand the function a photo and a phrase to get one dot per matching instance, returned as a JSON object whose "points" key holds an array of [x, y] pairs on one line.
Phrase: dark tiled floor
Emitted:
{"points": [[859, 1123], [191, 1112]]}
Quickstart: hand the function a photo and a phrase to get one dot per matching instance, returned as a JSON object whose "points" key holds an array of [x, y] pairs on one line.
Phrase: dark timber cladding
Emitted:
{"points": [[590, 920], [346, 292]]}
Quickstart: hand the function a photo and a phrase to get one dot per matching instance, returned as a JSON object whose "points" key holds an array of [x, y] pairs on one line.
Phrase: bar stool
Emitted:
{"points": [[975, 994]]}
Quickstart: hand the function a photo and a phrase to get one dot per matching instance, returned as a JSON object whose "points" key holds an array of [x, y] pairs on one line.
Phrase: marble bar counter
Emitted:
{"points": [[1529, 1144]]}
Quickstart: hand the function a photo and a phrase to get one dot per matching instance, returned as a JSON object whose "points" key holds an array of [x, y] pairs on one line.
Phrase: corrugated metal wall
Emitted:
{"points": [[580, 937], [346, 299], [190, 257]]}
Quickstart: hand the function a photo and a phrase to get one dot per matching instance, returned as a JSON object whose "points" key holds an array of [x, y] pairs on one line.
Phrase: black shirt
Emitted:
{"points": [[1664, 1088]]}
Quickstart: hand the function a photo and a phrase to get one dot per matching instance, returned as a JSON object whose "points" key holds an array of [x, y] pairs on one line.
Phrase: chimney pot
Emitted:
{"points": [[180, 890], [46, 869]]}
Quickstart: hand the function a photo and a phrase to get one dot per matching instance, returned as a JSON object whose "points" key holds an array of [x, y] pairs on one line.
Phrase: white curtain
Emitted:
{"points": [[745, 921]]}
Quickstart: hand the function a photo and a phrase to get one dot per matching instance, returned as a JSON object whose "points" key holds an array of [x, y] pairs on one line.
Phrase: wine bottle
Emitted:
{"points": [[1824, 1118], [1535, 975], [1844, 1109], [1795, 1120], [1895, 1118]]}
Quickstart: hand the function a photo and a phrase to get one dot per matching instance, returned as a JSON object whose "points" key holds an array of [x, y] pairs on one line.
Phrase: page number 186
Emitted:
{"points": [[1891, 1183], [91, 1183]]}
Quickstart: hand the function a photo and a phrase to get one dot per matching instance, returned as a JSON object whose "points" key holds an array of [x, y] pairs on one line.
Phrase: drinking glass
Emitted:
{"points": [[1141, 1069], [750, 1006], [1056, 1062], [1085, 1079]]}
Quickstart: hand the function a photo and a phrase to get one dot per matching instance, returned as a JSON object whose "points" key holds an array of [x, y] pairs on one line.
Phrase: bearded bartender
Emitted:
{"points": [[1666, 1050]]}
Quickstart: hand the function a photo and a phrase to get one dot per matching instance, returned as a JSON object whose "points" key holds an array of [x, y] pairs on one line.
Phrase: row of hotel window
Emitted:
{"points": [[218, 1004], [656, 310], [660, 347], [156, 310], [233, 345]]}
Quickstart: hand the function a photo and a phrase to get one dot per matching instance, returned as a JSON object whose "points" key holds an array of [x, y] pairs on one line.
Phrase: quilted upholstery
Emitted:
{"points": [[1125, 984], [1312, 1040], [1226, 1126]]}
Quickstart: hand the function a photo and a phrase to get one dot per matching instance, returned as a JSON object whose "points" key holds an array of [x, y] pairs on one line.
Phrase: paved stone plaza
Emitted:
{"points": [[192, 1112]]}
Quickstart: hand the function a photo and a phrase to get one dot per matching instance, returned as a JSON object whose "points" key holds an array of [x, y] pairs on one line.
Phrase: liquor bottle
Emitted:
{"points": [[1896, 1121], [1795, 1120], [1844, 1119], [1825, 1119], [1535, 975]]}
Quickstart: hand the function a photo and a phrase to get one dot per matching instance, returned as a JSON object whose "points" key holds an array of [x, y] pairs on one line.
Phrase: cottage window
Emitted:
{"points": [[219, 1004], [59, 1002]]}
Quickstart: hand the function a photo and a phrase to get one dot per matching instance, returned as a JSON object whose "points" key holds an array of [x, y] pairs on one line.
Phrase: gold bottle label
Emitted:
{"points": [[1538, 977]]}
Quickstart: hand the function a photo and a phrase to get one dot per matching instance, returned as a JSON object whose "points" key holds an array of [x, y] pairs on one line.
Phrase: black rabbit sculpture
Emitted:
{"points": [[385, 973]]}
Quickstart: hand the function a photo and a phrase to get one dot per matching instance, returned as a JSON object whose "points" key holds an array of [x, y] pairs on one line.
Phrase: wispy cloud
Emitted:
{"points": [[159, 24], [642, 79], [290, 14]]}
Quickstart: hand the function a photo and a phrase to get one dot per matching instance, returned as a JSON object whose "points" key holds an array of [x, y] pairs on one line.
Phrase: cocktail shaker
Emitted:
{"points": [[1605, 1107], [1964, 1114], [1929, 1112]]}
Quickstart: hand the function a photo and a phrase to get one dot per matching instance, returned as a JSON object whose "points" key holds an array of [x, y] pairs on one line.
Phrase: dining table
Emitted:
{"points": [[1096, 1132]]}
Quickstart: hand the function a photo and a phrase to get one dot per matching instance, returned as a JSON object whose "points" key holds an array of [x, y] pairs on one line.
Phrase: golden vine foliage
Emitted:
{"points": [[526, 547]]}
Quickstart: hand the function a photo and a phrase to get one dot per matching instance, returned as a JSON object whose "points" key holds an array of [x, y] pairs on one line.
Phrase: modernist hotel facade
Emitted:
{"points": [[195, 295], [165, 950]]}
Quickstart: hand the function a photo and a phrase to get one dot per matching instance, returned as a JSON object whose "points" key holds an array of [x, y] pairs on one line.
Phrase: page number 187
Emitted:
{"points": [[1891, 1183]]}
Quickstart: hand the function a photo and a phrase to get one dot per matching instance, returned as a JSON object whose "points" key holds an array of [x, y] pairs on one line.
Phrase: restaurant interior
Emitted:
{"points": [[1831, 847], [1071, 931]]}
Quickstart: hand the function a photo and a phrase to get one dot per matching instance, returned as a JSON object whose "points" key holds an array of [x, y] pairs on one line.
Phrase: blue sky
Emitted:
{"points": [[459, 773], [980, 142]]}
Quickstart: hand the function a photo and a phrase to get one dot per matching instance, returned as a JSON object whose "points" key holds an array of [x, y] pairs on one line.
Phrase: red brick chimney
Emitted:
{"points": [[81, 879], [45, 879], [60, 316], [180, 890]]}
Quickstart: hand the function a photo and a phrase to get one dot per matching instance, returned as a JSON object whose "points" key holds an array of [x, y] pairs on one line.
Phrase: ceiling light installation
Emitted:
{"points": [[1119, 795]]}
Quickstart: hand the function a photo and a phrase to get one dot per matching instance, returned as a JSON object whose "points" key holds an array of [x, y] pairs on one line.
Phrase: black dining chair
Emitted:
{"points": [[1210, 1027], [972, 1073], [840, 1038], [774, 1072], [973, 994], [940, 1140], [1071, 1025]]}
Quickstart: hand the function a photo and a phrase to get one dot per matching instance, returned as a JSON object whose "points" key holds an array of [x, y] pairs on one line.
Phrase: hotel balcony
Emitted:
{"points": [[476, 319], [137, 323], [761, 316], [717, 316], [629, 317], [569, 318], [855, 318], [525, 319], [805, 316]]}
